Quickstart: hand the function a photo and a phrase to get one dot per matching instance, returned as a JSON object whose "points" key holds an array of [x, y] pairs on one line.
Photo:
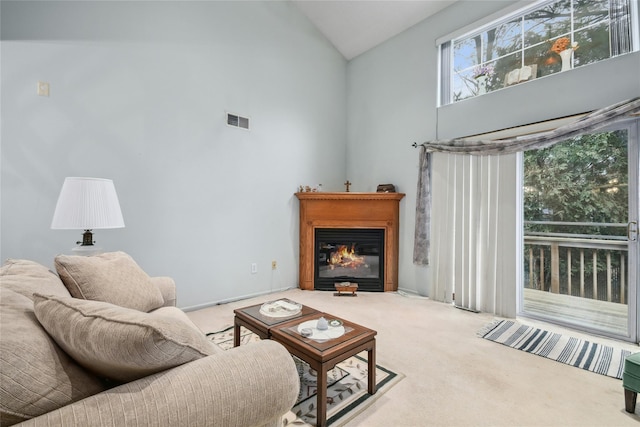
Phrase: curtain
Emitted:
{"points": [[422, 239], [586, 124], [475, 207], [620, 13]]}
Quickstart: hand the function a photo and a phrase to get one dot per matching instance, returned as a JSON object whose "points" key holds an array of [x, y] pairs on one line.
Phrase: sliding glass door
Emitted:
{"points": [[580, 255]]}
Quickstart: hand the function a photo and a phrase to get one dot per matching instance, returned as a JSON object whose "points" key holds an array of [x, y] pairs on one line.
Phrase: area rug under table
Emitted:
{"points": [[590, 356], [347, 394]]}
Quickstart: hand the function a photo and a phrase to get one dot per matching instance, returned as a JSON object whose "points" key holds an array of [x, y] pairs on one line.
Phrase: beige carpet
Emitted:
{"points": [[454, 378]]}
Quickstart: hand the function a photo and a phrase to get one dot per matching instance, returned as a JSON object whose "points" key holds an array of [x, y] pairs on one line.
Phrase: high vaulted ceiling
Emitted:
{"points": [[355, 26]]}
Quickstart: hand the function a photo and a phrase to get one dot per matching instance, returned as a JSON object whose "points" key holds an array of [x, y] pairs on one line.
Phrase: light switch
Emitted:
{"points": [[43, 89]]}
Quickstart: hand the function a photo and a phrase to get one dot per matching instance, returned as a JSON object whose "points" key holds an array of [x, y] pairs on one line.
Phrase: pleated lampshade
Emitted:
{"points": [[87, 204]]}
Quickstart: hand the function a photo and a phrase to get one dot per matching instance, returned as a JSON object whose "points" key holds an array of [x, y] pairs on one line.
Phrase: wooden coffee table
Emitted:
{"points": [[251, 318], [323, 356]]}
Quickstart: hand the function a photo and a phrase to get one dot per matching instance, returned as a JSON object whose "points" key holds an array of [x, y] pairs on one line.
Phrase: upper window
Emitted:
{"points": [[547, 38]]}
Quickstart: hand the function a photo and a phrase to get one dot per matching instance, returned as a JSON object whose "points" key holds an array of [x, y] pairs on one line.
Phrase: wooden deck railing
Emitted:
{"points": [[584, 266]]}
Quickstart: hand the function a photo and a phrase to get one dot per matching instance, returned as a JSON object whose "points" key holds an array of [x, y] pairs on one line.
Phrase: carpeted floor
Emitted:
{"points": [[347, 394], [453, 377]]}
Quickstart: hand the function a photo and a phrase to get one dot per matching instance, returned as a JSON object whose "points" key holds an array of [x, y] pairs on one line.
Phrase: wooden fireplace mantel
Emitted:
{"points": [[349, 210]]}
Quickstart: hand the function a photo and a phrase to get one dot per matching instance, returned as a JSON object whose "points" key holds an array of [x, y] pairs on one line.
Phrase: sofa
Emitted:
{"points": [[101, 343]]}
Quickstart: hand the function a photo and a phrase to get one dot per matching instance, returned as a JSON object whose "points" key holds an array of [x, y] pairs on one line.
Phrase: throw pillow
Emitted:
{"points": [[36, 376], [119, 343], [112, 277], [177, 315]]}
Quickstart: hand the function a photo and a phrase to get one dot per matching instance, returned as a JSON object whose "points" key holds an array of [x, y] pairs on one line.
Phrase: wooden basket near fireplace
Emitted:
{"points": [[346, 289]]}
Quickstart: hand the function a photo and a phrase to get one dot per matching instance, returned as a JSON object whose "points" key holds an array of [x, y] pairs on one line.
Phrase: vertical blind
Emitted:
{"points": [[620, 17], [473, 212]]}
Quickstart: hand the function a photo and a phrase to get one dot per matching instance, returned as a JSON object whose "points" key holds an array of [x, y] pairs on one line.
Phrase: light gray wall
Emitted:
{"points": [[392, 102], [139, 92]]}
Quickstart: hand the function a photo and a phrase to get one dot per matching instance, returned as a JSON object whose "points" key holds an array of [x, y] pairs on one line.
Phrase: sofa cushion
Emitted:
{"points": [[177, 315], [36, 376], [112, 277], [26, 277], [119, 343]]}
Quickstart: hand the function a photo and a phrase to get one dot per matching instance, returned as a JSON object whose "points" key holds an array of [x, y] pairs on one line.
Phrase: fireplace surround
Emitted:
{"points": [[358, 211], [353, 255]]}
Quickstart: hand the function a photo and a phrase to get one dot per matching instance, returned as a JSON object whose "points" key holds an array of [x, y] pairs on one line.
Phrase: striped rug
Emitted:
{"points": [[594, 357]]}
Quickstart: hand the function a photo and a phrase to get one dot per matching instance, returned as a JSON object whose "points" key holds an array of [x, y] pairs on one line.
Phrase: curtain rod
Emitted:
{"points": [[546, 135], [530, 128]]}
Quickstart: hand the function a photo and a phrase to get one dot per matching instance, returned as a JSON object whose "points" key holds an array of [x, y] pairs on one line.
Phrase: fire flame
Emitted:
{"points": [[345, 257]]}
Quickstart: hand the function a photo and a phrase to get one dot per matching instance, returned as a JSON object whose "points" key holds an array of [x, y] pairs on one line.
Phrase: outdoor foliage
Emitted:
{"points": [[527, 40], [581, 180]]}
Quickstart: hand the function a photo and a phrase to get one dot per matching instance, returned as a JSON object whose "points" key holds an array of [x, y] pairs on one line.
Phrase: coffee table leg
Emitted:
{"points": [[321, 394], [371, 356], [236, 334]]}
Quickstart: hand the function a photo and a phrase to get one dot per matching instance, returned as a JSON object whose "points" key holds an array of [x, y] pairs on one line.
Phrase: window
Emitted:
{"points": [[527, 44], [580, 203]]}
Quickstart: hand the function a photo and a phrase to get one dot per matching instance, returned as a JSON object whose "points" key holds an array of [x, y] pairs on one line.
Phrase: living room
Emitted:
{"points": [[140, 91], [139, 96]]}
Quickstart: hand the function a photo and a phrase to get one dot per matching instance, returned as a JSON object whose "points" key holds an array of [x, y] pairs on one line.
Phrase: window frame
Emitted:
{"points": [[446, 51]]}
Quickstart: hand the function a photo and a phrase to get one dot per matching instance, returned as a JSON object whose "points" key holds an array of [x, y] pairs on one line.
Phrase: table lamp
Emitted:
{"points": [[87, 204]]}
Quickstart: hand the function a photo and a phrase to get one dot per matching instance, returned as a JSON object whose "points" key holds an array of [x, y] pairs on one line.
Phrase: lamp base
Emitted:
{"points": [[86, 250]]}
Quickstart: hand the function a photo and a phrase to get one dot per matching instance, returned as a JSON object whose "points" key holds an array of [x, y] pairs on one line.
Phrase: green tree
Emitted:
{"points": [[527, 40], [581, 180]]}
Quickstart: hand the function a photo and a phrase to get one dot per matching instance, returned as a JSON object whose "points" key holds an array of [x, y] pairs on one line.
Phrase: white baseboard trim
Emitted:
{"points": [[410, 293], [234, 299]]}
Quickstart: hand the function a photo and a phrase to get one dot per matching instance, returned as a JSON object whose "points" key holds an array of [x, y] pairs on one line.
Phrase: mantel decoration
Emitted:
{"points": [[565, 48], [309, 189], [481, 73]]}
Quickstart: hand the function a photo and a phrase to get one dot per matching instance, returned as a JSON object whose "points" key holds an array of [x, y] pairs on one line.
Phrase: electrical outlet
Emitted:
{"points": [[254, 268], [43, 89], [274, 265]]}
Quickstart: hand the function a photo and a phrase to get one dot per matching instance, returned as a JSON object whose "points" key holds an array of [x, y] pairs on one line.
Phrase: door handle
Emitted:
{"points": [[632, 231]]}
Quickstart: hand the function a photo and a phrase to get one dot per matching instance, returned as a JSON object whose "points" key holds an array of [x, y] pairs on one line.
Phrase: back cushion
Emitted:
{"points": [[112, 277], [36, 375], [26, 277]]}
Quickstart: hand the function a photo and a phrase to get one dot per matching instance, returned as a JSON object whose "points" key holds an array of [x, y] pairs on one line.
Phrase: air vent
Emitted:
{"points": [[237, 121]]}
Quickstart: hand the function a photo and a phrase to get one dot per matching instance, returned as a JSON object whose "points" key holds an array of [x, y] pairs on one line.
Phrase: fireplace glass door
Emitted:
{"points": [[349, 255]]}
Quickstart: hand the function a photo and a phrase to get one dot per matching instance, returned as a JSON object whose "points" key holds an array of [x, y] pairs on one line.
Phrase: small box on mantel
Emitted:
{"points": [[346, 289]]}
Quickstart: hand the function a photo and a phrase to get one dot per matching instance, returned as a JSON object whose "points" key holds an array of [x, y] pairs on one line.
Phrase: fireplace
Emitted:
{"points": [[349, 255], [322, 212]]}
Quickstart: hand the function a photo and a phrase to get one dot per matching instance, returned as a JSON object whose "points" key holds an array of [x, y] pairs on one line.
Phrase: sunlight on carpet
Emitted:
{"points": [[347, 384]]}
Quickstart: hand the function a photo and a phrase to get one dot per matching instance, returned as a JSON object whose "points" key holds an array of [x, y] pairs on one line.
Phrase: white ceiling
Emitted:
{"points": [[355, 26]]}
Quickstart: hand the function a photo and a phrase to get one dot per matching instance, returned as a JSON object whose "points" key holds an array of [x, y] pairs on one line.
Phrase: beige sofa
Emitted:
{"points": [[102, 344]]}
